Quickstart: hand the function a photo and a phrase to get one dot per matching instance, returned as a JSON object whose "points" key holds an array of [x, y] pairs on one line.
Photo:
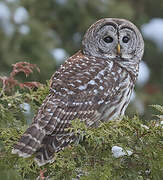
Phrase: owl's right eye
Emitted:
{"points": [[108, 39]]}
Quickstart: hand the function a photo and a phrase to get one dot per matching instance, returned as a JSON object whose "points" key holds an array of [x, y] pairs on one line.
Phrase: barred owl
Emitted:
{"points": [[94, 85]]}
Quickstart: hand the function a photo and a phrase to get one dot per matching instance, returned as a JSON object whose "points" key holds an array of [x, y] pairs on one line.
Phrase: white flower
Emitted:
{"points": [[59, 54], [4, 11], [144, 74], [154, 31], [24, 29], [12, 1], [119, 152], [21, 15]]}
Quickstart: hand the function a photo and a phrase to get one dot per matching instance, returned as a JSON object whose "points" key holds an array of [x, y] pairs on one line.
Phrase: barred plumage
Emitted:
{"points": [[94, 85]]}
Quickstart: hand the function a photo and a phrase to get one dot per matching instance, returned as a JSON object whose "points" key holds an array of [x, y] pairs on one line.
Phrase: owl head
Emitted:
{"points": [[113, 38]]}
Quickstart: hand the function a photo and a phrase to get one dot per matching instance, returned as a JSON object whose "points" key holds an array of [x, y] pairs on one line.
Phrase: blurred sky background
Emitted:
{"points": [[47, 32]]}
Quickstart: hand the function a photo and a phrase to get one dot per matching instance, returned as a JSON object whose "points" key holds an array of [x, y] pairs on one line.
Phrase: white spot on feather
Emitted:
{"points": [[101, 88], [95, 91], [70, 92], [78, 66], [110, 65], [106, 94], [102, 72], [82, 87], [101, 101], [79, 81], [92, 82]]}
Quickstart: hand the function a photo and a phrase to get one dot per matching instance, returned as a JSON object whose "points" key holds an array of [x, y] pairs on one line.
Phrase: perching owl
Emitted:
{"points": [[94, 85]]}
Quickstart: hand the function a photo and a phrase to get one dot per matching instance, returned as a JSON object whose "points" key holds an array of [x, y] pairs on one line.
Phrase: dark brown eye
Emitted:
{"points": [[125, 39], [108, 39]]}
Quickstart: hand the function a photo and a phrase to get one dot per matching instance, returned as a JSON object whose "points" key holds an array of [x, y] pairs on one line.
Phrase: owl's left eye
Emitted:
{"points": [[125, 39]]}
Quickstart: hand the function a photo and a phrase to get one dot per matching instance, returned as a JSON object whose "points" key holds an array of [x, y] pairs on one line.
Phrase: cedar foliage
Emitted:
{"points": [[91, 156]]}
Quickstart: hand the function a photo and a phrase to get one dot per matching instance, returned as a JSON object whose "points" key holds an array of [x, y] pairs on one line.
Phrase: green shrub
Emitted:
{"points": [[91, 156]]}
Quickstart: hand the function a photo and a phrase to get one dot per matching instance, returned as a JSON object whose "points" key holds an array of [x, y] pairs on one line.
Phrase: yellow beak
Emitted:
{"points": [[118, 49]]}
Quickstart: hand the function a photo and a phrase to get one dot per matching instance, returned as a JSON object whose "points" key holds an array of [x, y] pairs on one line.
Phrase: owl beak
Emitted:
{"points": [[118, 49]]}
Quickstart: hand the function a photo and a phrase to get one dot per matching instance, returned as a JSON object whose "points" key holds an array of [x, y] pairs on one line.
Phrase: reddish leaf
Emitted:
{"points": [[24, 67], [30, 85], [8, 83]]}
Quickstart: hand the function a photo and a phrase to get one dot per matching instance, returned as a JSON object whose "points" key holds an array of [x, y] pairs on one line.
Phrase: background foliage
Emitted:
{"points": [[61, 24], [91, 157]]}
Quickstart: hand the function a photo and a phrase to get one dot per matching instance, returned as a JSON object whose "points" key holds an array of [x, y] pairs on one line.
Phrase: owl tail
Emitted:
{"points": [[45, 154], [35, 141], [29, 142], [50, 145]]}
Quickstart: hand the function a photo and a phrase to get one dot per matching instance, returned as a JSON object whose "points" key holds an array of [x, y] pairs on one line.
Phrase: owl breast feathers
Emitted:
{"points": [[94, 85]]}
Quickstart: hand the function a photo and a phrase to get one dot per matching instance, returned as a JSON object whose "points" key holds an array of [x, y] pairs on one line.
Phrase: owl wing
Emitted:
{"points": [[78, 90]]}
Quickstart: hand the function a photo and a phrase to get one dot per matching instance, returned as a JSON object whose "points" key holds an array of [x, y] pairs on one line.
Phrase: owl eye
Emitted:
{"points": [[125, 39], [108, 39]]}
